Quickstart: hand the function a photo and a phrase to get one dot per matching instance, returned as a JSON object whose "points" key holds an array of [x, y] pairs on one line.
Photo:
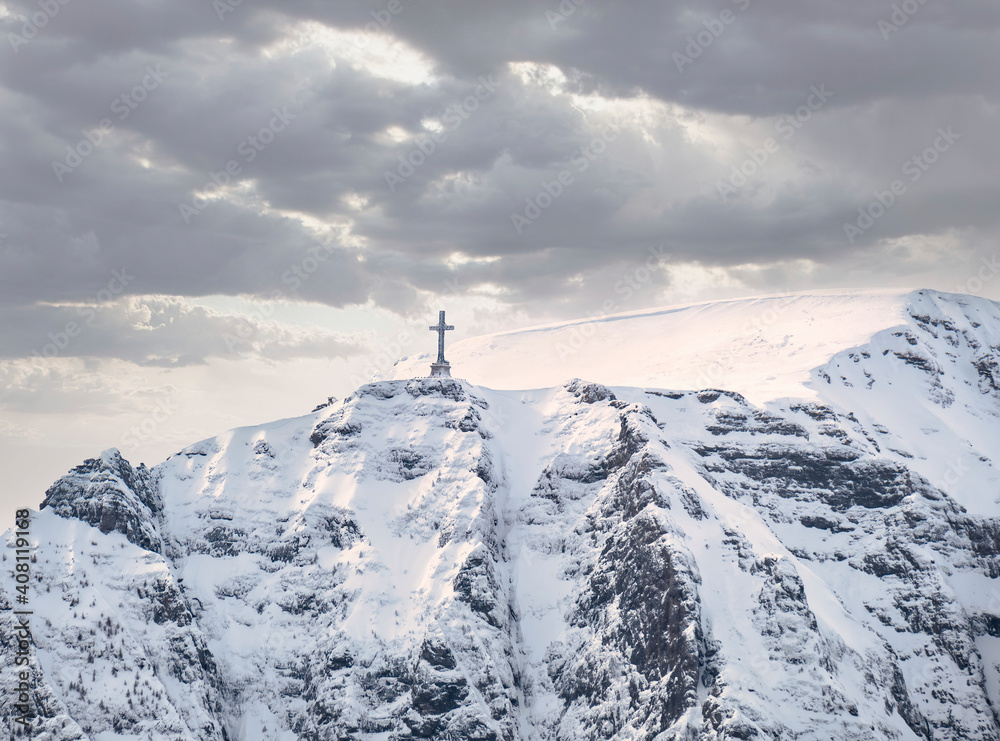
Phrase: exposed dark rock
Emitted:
{"points": [[478, 585], [633, 490], [918, 361], [589, 393], [819, 522], [756, 422], [223, 540], [782, 594], [707, 396], [437, 697], [668, 394], [339, 424], [832, 476], [631, 438], [986, 624], [404, 464], [167, 604], [653, 592], [437, 655], [330, 401], [989, 372], [262, 449], [111, 495], [343, 528]]}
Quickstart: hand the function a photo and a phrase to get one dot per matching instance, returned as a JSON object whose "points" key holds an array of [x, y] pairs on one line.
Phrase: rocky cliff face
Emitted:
{"points": [[111, 495], [432, 559]]}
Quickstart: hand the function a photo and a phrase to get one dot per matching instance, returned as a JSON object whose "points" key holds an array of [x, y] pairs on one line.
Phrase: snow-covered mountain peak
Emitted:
{"points": [[764, 348], [435, 558]]}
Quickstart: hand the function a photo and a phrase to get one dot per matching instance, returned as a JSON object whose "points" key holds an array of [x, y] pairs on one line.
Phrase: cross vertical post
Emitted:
{"points": [[441, 367]]}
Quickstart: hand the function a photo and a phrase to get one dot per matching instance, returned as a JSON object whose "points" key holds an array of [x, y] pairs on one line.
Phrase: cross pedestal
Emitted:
{"points": [[441, 369]]}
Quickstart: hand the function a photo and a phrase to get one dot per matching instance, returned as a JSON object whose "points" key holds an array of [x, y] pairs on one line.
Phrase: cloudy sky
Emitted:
{"points": [[219, 212]]}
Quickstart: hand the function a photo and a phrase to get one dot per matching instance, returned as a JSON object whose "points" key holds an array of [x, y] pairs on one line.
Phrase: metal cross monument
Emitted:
{"points": [[442, 367]]}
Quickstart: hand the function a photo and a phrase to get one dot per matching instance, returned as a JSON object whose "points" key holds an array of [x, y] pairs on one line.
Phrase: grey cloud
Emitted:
{"points": [[158, 331], [119, 209]]}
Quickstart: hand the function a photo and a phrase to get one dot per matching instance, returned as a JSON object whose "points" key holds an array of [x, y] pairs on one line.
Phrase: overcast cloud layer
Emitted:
{"points": [[644, 107], [524, 158]]}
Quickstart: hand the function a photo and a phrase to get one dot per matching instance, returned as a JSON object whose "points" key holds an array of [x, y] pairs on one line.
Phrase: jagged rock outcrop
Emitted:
{"points": [[111, 495]]}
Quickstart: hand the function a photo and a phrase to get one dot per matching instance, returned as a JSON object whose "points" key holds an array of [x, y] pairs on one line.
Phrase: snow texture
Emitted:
{"points": [[808, 551]]}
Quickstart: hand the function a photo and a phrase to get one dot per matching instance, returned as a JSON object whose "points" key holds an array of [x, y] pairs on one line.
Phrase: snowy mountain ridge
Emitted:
{"points": [[764, 348], [431, 558]]}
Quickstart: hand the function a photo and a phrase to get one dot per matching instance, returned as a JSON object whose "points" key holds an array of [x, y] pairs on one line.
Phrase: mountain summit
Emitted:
{"points": [[762, 519], [763, 348]]}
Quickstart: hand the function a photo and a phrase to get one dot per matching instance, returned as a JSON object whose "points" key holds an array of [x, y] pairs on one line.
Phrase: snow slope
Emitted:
{"points": [[441, 559], [763, 348]]}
